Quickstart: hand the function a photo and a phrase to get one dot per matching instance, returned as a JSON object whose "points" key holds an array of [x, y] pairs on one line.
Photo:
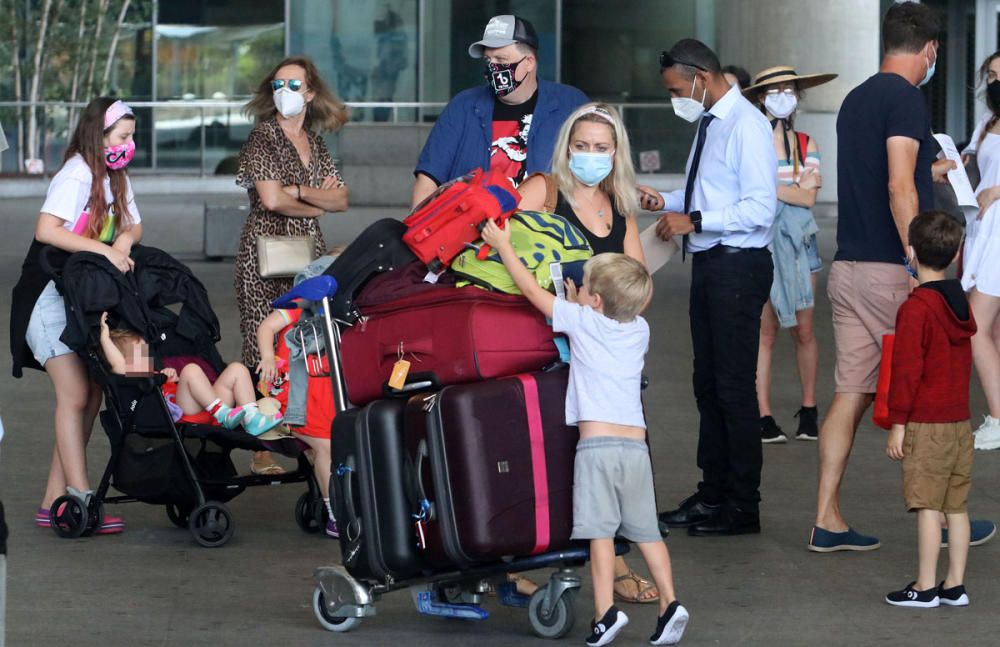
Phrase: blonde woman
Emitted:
{"points": [[291, 181], [592, 185]]}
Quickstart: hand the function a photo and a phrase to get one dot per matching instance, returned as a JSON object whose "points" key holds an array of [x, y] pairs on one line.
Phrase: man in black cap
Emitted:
{"points": [[510, 124]]}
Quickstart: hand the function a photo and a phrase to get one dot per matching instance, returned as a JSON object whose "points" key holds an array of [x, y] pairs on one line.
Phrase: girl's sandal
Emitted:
{"points": [[642, 589]]}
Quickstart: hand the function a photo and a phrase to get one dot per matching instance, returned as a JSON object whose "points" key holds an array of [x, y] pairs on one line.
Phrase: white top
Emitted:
{"points": [[605, 369], [735, 186], [980, 269], [69, 193]]}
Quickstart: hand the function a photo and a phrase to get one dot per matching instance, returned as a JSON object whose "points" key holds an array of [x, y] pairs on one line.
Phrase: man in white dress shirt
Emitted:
{"points": [[725, 215]]}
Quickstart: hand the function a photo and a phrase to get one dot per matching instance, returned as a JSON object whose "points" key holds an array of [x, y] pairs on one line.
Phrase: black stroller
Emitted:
{"points": [[185, 467]]}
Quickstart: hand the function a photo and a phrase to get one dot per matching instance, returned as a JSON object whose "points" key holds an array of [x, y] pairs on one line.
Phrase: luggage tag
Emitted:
{"points": [[420, 523], [397, 380]]}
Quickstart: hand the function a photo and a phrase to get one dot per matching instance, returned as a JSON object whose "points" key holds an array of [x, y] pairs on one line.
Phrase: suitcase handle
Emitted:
{"points": [[422, 381], [426, 508], [345, 473]]}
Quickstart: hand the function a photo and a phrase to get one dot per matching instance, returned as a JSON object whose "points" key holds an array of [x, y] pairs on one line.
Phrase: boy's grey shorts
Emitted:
{"points": [[613, 490]]}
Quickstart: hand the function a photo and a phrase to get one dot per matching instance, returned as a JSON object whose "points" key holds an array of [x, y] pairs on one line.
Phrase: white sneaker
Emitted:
{"points": [[988, 434]]}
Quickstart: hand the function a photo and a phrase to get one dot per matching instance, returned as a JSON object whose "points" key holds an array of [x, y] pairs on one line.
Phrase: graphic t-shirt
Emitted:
{"points": [[69, 193], [509, 147]]}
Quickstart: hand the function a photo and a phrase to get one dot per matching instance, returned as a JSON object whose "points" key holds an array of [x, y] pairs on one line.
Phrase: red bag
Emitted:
{"points": [[880, 413], [448, 221], [459, 335]]}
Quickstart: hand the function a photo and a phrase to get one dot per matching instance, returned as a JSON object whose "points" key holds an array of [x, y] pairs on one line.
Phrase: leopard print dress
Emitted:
{"points": [[269, 155]]}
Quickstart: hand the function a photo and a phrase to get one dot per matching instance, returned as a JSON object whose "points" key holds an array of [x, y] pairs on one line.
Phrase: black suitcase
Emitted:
{"points": [[500, 466], [379, 248], [373, 511]]}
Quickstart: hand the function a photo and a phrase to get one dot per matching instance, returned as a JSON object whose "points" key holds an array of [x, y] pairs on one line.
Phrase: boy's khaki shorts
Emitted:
{"points": [[937, 466]]}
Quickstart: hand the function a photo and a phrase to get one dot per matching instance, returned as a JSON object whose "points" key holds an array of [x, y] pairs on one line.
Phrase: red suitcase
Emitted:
{"points": [[443, 225], [498, 472], [459, 335]]}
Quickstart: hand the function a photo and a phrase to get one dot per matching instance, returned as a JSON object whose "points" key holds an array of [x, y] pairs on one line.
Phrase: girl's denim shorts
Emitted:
{"points": [[48, 320]]}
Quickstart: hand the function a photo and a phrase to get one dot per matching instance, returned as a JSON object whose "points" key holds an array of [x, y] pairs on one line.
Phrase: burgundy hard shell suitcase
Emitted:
{"points": [[460, 335], [370, 493], [444, 224], [501, 466]]}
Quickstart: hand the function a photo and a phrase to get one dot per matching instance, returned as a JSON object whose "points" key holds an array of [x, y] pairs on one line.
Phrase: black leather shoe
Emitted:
{"points": [[730, 521], [691, 511]]}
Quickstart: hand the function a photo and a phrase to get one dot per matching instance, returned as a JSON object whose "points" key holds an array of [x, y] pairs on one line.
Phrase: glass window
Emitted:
{"points": [[367, 51], [613, 56]]}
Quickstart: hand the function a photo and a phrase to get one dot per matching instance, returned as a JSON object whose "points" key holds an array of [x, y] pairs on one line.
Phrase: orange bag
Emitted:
{"points": [[880, 414]]}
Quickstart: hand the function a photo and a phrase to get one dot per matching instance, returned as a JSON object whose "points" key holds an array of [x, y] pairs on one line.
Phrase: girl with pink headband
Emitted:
{"points": [[89, 207]]}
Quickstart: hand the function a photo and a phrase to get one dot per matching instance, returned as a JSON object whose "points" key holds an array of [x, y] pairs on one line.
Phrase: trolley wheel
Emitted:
{"points": [[211, 524], [327, 621], [310, 513], [178, 514], [69, 516], [560, 620]]}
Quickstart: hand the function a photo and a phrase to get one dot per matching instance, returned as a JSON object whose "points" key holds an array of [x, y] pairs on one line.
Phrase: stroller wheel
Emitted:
{"points": [[69, 516], [328, 621], [310, 513], [179, 515], [211, 524], [560, 619]]}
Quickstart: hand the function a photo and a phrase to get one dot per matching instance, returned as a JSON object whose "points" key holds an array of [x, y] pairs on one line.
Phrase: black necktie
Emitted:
{"points": [[693, 171]]}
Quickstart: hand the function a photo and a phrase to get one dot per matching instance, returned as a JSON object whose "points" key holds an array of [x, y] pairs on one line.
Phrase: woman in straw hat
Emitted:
{"points": [[796, 257]]}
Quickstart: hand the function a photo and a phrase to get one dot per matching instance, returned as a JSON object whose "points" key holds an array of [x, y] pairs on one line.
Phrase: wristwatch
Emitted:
{"points": [[695, 217]]}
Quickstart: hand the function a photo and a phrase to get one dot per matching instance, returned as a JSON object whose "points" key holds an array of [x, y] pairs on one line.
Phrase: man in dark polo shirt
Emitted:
{"points": [[885, 155]]}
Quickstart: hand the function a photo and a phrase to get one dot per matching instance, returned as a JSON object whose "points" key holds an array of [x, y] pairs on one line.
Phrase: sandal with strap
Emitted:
{"points": [[265, 467], [642, 587], [525, 586]]}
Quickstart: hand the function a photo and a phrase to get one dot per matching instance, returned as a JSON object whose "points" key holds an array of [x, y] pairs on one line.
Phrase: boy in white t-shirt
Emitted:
{"points": [[613, 479]]}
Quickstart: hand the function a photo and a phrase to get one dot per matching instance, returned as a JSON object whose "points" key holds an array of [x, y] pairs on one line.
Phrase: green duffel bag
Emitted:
{"points": [[539, 238]]}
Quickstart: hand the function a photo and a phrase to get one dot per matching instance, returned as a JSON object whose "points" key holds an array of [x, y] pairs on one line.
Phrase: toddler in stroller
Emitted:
{"points": [[196, 398], [157, 456]]}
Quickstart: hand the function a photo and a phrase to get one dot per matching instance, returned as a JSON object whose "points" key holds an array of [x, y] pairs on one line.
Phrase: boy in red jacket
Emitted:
{"points": [[929, 410]]}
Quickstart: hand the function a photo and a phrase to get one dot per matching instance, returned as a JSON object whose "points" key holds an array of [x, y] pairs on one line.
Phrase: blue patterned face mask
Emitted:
{"points": [[591, 168]]}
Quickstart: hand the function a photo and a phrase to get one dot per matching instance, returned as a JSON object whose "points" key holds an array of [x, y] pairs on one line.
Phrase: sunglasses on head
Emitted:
{"points": [[293, 84], [666, 60]]}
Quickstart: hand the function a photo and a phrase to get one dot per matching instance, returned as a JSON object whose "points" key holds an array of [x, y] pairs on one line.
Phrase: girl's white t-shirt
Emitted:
{"points": [[69, 193]]}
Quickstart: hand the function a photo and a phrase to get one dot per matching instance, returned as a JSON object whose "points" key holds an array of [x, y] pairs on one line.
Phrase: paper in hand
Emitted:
{"points": [[656, 250], [957, 177]]}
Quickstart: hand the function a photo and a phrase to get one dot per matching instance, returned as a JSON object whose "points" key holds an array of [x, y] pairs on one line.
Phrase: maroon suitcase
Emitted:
{"points": [[500, 467], [458, 335]]}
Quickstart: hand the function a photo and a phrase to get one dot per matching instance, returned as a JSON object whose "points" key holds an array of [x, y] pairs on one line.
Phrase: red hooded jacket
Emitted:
{"points": [[931, 361]]}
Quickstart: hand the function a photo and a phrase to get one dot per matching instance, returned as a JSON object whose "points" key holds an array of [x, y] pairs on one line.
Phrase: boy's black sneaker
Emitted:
{"points": [[604, 630], [953, 597], [910, 597], [770, 432], [670, 626], [808, 424]]}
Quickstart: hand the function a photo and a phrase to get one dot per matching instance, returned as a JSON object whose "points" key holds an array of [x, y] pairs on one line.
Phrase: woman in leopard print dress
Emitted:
{"points": [[290, 177]]}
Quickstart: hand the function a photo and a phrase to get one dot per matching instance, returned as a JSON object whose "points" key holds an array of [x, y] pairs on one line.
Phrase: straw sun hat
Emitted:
{"points": [[783, 74]]}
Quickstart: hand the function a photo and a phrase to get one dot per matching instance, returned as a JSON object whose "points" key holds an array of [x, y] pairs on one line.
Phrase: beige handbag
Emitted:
{"points": [[280, 257]]}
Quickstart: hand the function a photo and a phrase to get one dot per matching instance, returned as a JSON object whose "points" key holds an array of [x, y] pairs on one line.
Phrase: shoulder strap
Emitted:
{"points": [[803, 145], [551, 191]]}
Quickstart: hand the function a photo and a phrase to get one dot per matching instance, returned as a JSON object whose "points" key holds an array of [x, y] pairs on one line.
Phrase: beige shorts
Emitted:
{"points": [[865, 298], [937, 466]]}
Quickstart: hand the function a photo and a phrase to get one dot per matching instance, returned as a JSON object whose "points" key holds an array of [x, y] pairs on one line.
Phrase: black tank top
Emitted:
{"points": [[613, 242]]}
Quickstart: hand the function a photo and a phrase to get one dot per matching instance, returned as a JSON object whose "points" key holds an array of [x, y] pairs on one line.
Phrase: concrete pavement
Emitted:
{"points": [[154, 586]]}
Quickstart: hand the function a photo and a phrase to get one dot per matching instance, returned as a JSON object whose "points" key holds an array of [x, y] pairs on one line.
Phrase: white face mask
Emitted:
{"points": [[289, 102], [687, 108], [782, 104]]}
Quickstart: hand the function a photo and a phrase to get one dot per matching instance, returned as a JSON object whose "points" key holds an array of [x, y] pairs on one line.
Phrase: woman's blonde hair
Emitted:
{"points": [[325, 113], [620, 183]]}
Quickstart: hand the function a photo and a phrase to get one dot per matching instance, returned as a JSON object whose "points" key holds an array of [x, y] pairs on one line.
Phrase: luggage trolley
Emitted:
{"points": [[340, 601]]}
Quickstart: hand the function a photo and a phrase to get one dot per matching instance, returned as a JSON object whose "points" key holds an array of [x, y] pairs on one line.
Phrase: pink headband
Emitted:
{"points": [[116, 111], [600, 112]]}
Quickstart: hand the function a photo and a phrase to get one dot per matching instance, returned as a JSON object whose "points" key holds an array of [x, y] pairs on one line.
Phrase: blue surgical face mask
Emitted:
{"points": [[930, 71], [591, 168]]}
